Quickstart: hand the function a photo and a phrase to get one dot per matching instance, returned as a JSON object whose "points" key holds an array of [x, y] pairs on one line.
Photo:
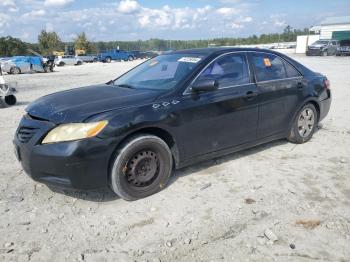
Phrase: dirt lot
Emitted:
{"points": [[276, 202]]}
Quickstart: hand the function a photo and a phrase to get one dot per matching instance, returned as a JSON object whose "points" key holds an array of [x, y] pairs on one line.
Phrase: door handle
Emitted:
{"points": [[250, 95], [300, 85]]}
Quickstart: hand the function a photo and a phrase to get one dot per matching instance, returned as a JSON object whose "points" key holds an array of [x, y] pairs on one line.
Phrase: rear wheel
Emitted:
{"points": [[325, 53], [142, 167], [79, 63], [304, 125], [131, 58], [108, 59], [61, 64]]}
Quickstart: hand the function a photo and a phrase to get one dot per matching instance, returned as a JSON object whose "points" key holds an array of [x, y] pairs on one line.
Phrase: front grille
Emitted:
{"points": [[24, 134]]}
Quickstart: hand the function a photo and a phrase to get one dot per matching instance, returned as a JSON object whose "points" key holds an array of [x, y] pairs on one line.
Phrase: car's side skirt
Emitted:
{"points": [[227, 151]]}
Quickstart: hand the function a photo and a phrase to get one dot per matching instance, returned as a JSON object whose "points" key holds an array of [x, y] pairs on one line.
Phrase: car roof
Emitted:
{"points": [[221, 50]]}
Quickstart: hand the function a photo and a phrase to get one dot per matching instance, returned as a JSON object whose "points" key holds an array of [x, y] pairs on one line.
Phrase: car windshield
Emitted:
{"points": [[163, 72], [321, 43]]}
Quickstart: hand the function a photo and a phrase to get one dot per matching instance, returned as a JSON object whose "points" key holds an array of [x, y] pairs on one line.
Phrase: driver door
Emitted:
{"points": [[223, 118]]}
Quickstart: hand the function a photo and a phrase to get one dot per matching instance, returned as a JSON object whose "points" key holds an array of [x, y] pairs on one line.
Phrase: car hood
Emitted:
{"points": [[318, 46], [76, 105]]}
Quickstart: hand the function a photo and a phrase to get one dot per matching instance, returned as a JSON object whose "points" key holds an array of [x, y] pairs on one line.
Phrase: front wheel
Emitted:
{"points": [[304, 125], [15, 70], [325, 53], [142, 167]]}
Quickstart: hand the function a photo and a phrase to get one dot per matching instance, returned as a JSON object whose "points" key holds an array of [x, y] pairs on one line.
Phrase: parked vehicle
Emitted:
{"points": [[68, 60], [26, 64], [87, 58], [108, 56], [343, 48], [7, 97], [169, 112], [323, 48]]}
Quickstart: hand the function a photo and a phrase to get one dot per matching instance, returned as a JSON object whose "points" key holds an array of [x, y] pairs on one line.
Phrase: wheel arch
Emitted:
{"points": [[163, 134], [312, 101]]}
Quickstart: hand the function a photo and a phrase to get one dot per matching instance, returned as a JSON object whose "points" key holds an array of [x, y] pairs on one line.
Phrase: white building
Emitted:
{"points": [[337, 28]]}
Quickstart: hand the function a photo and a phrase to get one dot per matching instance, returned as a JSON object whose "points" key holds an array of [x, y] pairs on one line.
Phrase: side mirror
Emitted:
{"points": [[205, 85]]}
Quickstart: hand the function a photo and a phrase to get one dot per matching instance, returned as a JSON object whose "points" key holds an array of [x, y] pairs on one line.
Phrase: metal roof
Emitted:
{"points": [[336, 20]]}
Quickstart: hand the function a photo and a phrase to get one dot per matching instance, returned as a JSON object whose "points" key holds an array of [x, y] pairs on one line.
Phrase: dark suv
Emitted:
{"points": [[323, 48], [169, 112]]}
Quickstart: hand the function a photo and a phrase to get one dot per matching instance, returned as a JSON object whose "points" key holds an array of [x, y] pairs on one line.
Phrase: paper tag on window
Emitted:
{"points": [[267, 62], [190, 59]]}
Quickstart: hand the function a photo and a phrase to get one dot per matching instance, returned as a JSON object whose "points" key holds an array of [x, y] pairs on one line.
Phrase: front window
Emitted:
{"points": [[160, 73], [229, 70]]}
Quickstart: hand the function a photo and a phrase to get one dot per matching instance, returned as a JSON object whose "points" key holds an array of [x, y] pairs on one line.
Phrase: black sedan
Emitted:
{"points": [[169, 112]]}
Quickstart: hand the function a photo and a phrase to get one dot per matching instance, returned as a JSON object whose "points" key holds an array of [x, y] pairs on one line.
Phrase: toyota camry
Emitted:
{"points": [[169, 112]]}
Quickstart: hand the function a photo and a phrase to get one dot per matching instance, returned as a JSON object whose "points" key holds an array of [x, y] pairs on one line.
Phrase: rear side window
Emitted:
{"points": [[270, 67], [229, 70], [291, 71]]}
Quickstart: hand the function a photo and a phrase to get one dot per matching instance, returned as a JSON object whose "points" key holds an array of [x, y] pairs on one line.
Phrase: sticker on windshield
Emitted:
{"points": [[153, 62], [190, 59]]}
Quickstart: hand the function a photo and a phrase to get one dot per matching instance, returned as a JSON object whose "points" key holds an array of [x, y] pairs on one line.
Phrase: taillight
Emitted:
{"points": [[327, 84]]}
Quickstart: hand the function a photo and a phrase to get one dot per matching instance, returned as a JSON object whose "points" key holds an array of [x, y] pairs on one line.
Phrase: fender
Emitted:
{"points": [[312, 100]]}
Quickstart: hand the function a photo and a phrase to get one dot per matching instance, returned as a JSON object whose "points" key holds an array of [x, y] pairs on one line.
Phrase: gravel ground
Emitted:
{"points": [[275, 202]]}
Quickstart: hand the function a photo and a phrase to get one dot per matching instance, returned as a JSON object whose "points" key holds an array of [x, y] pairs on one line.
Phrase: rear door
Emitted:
{"points": [[227, 117], [280, 88]]}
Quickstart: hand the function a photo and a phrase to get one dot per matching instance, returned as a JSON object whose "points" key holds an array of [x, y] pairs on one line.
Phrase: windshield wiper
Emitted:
{"points": [[126, 86]]}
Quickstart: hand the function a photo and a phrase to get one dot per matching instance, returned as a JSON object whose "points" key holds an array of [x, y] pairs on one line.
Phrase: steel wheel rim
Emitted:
{"points": [[306, 122], [142, 168]]}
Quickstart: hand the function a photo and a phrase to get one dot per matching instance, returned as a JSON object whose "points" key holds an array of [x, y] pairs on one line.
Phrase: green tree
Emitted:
{"points": [[49, 42], [10, 46], [81, 42]]}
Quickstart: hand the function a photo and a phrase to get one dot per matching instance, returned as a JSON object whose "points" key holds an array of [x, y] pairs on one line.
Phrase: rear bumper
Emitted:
{"points": [[81, 164], [325, 106]]}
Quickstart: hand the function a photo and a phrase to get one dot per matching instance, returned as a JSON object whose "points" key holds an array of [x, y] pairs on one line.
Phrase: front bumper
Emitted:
{"points": [[343, 52], [316, 52], [325, 105], [81, 164]]}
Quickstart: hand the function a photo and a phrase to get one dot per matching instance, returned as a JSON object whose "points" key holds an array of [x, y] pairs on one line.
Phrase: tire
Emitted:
{"points": [[79, 63], [304, 125], [2, 103], [108, 59], [131, 58], [10, 100], [61, 64], [325, 53], [95, 60], [15, 71], [146, 154]]}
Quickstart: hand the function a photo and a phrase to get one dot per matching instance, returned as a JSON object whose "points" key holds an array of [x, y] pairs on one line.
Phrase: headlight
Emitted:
{"points": [[74, 131]]}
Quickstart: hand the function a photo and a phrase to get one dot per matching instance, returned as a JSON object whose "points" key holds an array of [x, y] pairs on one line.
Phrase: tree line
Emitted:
{"points": [[50, 41]]}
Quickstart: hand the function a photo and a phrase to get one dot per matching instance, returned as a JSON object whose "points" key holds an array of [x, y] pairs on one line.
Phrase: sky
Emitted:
{"points": [[108, 20]]}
